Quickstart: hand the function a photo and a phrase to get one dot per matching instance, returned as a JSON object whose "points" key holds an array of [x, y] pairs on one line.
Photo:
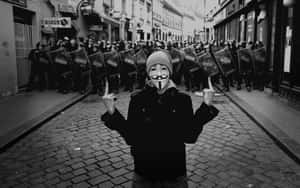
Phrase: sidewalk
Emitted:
{"points": [[24, 111], [276, 116]]}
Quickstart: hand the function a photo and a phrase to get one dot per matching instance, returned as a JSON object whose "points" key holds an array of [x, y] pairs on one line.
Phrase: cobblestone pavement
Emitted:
{"points": [[75, 149]]}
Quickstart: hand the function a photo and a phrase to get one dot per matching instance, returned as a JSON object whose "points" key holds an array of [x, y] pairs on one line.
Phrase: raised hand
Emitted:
{"points": [[208, 94], [109, 99]]}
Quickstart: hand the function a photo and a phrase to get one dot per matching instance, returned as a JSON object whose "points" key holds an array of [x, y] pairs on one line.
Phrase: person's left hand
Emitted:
{"points": [[208, 94]]}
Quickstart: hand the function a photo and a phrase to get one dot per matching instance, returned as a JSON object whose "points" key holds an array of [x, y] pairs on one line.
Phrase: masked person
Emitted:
{"points": [[160, 121]]}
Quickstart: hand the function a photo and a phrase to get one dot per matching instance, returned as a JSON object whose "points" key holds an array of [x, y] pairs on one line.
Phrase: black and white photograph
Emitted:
{"points": [[149, 94]]}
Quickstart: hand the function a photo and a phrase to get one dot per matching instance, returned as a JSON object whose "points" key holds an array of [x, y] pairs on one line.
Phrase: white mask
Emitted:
{"points": [[159, 76]]}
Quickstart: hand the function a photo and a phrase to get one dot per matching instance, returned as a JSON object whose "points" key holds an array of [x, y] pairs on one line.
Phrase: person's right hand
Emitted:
{"points": [[109, 99], [208, 94]]}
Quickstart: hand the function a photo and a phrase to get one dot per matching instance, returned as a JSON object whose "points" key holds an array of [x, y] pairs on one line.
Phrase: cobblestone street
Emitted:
{"points": [[75, 149]]}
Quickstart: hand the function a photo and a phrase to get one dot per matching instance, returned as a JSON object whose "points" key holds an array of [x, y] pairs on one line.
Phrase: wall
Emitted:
{"points": [[8, 76], [42, 10]]}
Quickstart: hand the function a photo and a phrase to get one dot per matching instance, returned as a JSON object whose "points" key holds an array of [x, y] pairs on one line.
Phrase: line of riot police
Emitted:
{"points": [[83, 64]]}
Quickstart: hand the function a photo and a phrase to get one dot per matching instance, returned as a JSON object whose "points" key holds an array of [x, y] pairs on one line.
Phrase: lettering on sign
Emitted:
{"points": [[62, 22]]}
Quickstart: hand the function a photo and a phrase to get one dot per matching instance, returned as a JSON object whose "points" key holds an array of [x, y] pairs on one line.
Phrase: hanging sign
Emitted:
{"points": [[57, 22]]}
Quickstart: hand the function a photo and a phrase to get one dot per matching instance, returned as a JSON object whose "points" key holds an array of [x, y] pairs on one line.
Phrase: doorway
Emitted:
{"points": [[23, 43]]}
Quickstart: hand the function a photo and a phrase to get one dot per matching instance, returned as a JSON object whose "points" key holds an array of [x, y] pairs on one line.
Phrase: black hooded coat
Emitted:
{"points": [[157, 128]]}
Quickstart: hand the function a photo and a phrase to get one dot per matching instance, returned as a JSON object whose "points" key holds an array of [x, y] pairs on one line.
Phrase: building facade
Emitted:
{"points": [[188, 26], [23, 29], [142, 20], [172, 26], [157, 19], [274, 24], [123, 12]]}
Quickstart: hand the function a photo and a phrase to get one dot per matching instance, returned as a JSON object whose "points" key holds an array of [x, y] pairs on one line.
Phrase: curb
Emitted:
{"points": [[24, 129], [281, 139]]}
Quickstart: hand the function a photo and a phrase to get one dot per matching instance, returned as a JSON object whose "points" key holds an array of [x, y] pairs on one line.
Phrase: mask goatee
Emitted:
{"points": [[159, 85]]}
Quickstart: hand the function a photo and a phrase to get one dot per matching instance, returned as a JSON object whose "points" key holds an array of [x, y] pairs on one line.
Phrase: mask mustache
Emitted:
{"points": [[159, 77]]}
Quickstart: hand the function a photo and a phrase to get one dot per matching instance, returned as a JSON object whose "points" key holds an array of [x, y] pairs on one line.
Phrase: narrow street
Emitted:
{"points": [[75, 149]]}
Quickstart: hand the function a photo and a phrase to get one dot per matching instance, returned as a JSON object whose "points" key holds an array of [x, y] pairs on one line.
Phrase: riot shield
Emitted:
{"points": [[177, 60], [259, 59], [79, 57], [43, 58], [97, 60], [189, 55], [225, 61], [112, 61], [129, 58], [207, 62], [58, 57], [141, 57], [245, 60]]}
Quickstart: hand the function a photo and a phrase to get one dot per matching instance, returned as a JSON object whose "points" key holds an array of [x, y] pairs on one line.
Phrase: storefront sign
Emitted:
{"points": [[22, 3], [55, 22]]}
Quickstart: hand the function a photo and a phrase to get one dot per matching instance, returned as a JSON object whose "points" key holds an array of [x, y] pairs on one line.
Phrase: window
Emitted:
{"points": [[148, 7], [241, 3], [142, 35], [106, 9], [141, 12], [123, 6], [112, 3]]}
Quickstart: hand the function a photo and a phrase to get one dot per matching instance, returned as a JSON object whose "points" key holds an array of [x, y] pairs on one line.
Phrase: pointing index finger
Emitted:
{"points": [[210, 84], [106, 87]]}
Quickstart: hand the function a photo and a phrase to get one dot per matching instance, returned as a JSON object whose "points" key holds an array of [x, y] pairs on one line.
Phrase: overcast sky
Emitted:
{"points": [[190, 4], [196, 5]]}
